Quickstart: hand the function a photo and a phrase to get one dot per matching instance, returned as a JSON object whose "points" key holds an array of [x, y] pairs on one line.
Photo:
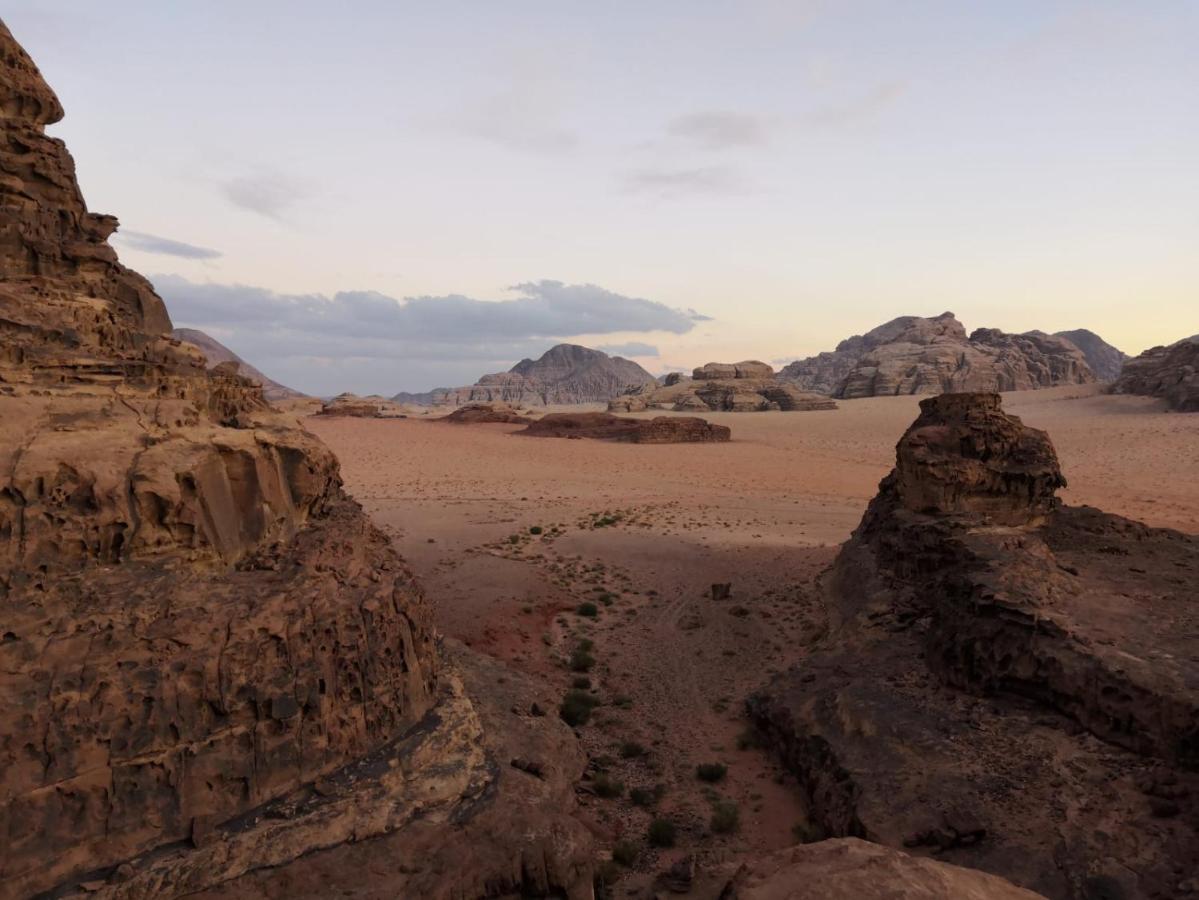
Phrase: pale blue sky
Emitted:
{"points": [[792, 172]]}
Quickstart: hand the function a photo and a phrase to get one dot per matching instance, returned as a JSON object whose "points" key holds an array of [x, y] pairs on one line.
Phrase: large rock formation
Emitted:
{"points": [[486, 414], [1171, 373], [1008, 682], [216, 353], [1104, 359], [604, 426], [566, 373], [914, 355], [210, 660], [748, 386], [354, 406]]}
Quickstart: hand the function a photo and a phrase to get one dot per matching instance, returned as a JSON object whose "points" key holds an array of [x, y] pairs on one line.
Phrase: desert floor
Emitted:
{"points": [[643, 532]]}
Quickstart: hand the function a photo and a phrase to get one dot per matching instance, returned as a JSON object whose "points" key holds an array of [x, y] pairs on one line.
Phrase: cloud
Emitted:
{"points": [[152, 243], [632, 348], [269, 194], [858, 109], [719, 130], [676, 182], [367, 341], [524, 114]]}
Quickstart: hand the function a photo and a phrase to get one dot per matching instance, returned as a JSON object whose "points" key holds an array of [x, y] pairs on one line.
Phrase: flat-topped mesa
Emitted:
{"points": [[965, 456], [750, 368], [196, 619]]}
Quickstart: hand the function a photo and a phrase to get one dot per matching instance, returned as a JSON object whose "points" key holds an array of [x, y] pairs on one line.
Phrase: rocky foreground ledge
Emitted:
{"points": [[1007, 682]]}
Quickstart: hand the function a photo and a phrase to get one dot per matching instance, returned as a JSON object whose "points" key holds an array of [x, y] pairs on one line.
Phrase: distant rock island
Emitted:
{"points": [[370, 407], [916, 355], [749, 386], [218, 353], [607, 427], [1171, 373], [566, 373]]}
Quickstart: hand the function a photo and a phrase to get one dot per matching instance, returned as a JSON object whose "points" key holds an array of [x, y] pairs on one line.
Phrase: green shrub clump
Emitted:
{"points": [[711, 772], [576, 707], [661, 833]]}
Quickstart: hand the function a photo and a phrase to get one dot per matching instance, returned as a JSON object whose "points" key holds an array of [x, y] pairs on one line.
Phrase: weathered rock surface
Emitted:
{"points": [[486, 414], [1007, 682], [566, 373], [216, 353], [1171, 373], [194, 619], [1104, 359], [852, 869], [748, 386], [605, 426], [914, 355], [372, 407]]}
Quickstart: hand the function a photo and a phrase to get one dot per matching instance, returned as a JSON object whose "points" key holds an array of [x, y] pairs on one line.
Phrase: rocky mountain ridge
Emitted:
{"points": [[1171, 373], [216, 353], [566, 373], [915, 355]]}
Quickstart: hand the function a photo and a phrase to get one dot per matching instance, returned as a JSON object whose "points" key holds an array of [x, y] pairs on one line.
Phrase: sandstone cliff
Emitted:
{"points": [[566, 373], [748, 386], [210, 660], [914, 355], [1006, 682], [1171, 373], [216, 353]]}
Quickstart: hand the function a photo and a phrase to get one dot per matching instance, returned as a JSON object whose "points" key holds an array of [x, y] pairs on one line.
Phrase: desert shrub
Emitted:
{"points": [[661, 833], [749, 739], [711, 772], [536, 529], [608, 787], [725, 817], [642, 796], [631, 750], [581, 683], [588, 609], [581, 660], [576, 707], [625, 853]]}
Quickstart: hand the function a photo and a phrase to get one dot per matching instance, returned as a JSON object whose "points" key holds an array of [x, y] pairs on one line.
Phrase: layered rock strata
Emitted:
{"points": [[748, 386], [1007, 682], [914, 355], [607, 427], [1171, 373], [194, 618], [1105, 360]]}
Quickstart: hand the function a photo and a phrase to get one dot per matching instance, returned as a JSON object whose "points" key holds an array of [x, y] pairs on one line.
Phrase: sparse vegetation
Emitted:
{"points": [[576, 707], [749, 739], [711, 772], [632, 750], [588, 609], [725, 817], [581, 683], [608, 787], [643, 797], [626, 853], [661, 833], [581, 660], [536, 529]]}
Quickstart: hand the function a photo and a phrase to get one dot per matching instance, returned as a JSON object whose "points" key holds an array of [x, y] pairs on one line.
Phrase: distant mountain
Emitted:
{"points": [[423, 398], [917, 355], [218, 353], [566, 373], [1104, 359]]}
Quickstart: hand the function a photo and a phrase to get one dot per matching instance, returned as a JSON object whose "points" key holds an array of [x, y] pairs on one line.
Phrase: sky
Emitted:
{"points": [[383, 196]]}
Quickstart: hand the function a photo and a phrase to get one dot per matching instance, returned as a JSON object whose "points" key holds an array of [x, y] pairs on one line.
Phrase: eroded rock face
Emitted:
{"points": [[604, 426], [353, 406], [1171, 373], [748, 386], [194, 618], [1105, 360], [914, 355], [566, 373], [1006, 681]]}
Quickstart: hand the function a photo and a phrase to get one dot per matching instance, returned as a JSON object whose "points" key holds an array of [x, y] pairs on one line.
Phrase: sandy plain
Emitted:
{"points": [[644, 531]]}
